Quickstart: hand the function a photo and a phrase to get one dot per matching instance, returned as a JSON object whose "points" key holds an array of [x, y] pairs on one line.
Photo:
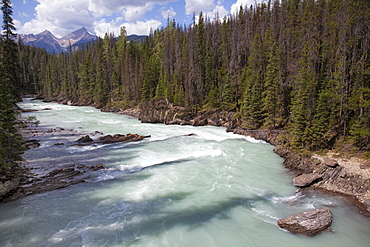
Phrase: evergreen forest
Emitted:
{"points": [[298, 65]]}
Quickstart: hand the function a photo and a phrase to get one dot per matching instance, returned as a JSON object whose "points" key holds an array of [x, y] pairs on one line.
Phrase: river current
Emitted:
{"points": [[172, 189]]}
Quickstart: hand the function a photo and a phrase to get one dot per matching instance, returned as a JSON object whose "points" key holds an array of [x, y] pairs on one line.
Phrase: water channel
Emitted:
{"points": [[173, 189]]}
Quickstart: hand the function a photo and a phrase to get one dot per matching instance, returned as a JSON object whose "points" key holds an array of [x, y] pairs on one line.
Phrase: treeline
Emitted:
{"points": [[302, 65]]}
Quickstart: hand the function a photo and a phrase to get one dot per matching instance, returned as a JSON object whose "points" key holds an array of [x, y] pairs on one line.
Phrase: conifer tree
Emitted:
{"points": [[251, 109], [272, 103], [10, 50]]}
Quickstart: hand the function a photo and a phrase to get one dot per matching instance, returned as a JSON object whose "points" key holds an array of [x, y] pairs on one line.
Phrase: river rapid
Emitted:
{"points": [[172, 189]]}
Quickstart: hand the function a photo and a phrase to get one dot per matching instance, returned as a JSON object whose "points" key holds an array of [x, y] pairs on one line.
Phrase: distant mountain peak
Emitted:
{"points": [[79, 36], [52, 44], [46, 33], [74, 41]]}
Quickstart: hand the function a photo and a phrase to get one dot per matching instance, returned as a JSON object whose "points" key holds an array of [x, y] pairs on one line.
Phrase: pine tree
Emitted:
{"points": [[10, 50], [272, 103], [254, 77]]}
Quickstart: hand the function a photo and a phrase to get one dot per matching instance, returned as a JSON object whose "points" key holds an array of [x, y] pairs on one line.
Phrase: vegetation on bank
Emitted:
{"points": [[302, 66], [10, 140]]}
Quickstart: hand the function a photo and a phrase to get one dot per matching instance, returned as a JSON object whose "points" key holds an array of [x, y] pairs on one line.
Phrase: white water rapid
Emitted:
{"points": [[209, 189]]}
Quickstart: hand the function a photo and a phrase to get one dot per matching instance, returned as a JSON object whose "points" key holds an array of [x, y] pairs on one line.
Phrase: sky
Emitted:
{"points": [[62, 17]]}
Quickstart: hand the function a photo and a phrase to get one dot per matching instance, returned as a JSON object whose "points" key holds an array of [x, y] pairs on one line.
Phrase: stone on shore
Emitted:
{"points": [[331, 163], [305, 180], [8, 186], [309, 223]]}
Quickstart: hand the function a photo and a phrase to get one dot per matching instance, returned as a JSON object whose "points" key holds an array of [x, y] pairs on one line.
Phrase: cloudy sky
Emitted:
{"points": [[62, 17]]}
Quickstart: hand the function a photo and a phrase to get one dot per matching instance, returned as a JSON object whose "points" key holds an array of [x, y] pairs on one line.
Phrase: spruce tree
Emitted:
{"points": [[10, 51]]}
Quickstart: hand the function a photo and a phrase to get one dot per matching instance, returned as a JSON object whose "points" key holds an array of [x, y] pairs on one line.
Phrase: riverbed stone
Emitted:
{"points": [[309, 223], [305, 180], [121, 138], [29, 144], [85, 138]]}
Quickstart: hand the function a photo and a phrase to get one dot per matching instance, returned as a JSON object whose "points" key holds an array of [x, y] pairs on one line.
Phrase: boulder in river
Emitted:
{"points": [[29, 144], [85, 138], [121, 138], [309, 223]]}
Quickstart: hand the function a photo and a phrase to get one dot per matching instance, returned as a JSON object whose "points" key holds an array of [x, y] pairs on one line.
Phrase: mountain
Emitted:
{"points": [[77, 37], [53, 44], [74, 41]]}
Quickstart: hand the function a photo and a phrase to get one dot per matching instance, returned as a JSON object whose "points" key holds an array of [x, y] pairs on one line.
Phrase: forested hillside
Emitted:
{"points": [[301, 65]]}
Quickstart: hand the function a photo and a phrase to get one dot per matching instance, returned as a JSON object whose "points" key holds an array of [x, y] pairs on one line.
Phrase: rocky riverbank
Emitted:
{"points": [[347, 177], [42, 175]]}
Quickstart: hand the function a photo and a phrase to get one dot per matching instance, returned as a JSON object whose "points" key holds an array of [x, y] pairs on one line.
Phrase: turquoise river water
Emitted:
{"points": [[209, 189]]}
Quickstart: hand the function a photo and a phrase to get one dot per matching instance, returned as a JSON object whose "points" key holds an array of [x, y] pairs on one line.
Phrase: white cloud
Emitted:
{"points": [[59, 17], [139, 27], [219, 11], [64, 16], [134, 13], [244, 3], [168, 13], [198, 5], [102, 26]]}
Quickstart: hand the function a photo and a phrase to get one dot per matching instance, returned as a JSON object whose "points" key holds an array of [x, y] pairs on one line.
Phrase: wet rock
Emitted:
{"points": [[305, 180], [97, 167], [85, 139], [191, 134], [55, 179], [200, 121], [309, 223], [121, 138], [29, 144], [28, 110]]}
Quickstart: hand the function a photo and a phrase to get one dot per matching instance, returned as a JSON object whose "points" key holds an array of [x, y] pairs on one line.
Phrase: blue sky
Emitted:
{"points": [[62, 17]]}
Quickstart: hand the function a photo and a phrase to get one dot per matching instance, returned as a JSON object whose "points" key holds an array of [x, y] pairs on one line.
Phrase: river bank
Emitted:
{"points": [[47, 173], [38, 176]]}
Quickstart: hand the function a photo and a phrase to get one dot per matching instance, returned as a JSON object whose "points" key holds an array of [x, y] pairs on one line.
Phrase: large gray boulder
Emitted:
{"points": [[309, 223], [305, 180]]}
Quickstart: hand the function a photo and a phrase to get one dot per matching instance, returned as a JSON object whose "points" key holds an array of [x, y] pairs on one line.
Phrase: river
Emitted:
{"points": [[172, 189]]}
